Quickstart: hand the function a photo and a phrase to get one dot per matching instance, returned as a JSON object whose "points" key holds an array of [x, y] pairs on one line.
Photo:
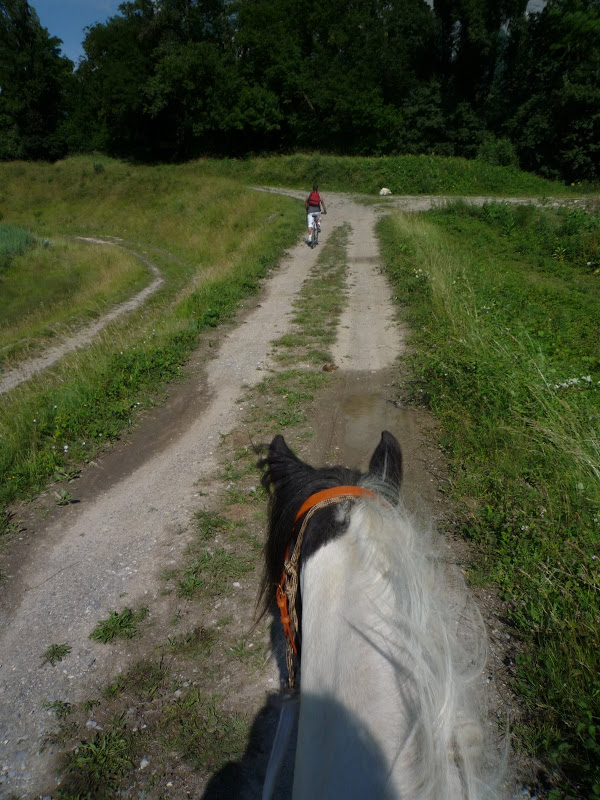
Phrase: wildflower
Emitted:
{"points": [[66, 447]]}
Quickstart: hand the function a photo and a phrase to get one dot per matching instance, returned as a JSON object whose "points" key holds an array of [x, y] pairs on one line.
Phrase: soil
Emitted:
{"points": [[134, 518]]}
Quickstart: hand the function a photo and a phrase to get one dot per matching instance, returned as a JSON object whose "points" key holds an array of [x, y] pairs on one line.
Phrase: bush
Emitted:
{"points": [[497, 152]]}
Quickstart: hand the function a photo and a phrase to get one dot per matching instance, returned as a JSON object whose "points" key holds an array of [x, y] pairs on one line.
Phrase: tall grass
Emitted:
{"points": [[504, 305]]}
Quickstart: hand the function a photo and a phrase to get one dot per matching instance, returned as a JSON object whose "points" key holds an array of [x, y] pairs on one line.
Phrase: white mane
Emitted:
{"points": [[391, 659]]}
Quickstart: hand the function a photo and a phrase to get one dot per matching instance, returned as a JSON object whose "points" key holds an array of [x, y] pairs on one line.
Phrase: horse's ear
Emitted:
{"points": [[386, 462], [282, 464]]}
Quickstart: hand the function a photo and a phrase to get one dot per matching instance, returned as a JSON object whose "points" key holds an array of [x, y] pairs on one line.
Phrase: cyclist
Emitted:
{"points": [[313, 204]]}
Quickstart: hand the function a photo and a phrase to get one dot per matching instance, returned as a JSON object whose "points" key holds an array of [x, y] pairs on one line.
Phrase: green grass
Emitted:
{"points": [[400, 174], [503, 303], [144, 681], [213, 573], [48, 291], [95, 767], [207, 736], [123, 625], [281, 400], [60, 708]]}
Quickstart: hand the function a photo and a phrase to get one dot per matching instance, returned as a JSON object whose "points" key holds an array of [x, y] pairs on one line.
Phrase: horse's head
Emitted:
{"points": [[290, 482]]}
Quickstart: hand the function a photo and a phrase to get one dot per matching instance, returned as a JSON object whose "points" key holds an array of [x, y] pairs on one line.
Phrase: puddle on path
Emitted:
{"points": [[352, 415], [362, 418]]}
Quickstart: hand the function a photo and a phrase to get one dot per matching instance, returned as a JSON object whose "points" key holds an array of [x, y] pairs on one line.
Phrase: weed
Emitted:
{"points": [[14, 241], [63, 498], [248, 651], [145, 679], [199, 642], [94, 768], [55, 653], [66, 474], [209, 523], [212, 573], [61, 708], [122, 624]]}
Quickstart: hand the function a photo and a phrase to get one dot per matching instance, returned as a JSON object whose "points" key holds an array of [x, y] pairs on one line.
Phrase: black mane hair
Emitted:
{"points": [[290, 481]]}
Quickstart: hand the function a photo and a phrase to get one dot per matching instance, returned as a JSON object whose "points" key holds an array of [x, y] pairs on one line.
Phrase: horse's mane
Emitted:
{"points": [[444, 636]]}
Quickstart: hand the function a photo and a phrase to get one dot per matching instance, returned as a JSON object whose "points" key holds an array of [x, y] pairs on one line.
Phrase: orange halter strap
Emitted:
{"points": [[288, 585]]}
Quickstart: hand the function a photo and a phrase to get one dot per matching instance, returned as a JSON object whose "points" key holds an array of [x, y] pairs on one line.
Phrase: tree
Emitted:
{"points": [[553, 85], [34, 81], [158, 81]]}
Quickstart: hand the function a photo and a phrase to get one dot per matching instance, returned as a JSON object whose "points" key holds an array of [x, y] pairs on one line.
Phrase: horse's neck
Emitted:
{"points": [[357, 723]]}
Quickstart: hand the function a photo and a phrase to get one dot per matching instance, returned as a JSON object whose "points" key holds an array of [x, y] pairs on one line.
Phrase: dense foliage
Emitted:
{"points": [[175, 79]]}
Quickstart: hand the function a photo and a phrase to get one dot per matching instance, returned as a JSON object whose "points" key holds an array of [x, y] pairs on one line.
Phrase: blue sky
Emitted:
{"points": [[67, 19]]}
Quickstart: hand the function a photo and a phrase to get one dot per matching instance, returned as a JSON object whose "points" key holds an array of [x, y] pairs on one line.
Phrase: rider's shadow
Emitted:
{"points": [[244, 779]]}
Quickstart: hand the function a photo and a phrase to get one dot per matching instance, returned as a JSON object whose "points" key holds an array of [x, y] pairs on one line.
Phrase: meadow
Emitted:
{"points": [[212, 239], [503, 306]]}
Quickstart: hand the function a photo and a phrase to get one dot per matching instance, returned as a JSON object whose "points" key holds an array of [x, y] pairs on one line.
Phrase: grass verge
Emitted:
{"points": [[503, 303]]}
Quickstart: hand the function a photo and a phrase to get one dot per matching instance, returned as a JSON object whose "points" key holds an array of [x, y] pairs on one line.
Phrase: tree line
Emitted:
{"points": [[176, 79]]}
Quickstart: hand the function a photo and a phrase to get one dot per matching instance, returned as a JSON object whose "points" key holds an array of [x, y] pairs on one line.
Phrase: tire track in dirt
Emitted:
{"points": [[83, 337]]}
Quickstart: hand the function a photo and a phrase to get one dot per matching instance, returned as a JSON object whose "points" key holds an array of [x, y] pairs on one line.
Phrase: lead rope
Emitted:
{"points": [[287, 590]]}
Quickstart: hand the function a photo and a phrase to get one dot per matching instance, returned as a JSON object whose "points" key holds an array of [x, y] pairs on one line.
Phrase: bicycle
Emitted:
{"points": [[314, 236]]}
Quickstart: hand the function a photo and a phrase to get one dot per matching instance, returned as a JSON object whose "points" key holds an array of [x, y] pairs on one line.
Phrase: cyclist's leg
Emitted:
{"points": [[309, 222]]}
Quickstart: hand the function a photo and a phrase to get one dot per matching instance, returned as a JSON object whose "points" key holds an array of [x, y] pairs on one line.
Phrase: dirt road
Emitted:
{"points": [[73, 565]]}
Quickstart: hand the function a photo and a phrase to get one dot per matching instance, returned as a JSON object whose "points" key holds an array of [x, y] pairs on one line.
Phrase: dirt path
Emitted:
{"points": [[24, 371], [74, 565]]}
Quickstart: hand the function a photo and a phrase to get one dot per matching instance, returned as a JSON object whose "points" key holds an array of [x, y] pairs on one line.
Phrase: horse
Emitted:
{"points": [[386, 704]]}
